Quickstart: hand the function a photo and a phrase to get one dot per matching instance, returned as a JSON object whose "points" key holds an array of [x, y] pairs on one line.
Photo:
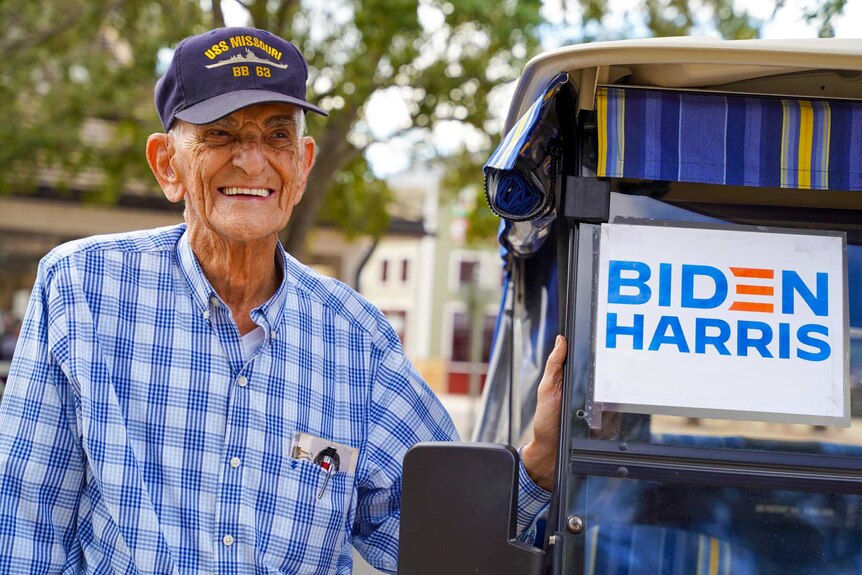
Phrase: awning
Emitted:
{"points": [[729, 139]]}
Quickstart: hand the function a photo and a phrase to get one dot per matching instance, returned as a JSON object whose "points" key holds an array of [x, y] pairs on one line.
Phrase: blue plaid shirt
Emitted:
{"points": [[135, 439]]}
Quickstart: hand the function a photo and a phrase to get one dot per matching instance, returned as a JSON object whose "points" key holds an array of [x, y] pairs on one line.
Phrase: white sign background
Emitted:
{"points": [[667, 381]]}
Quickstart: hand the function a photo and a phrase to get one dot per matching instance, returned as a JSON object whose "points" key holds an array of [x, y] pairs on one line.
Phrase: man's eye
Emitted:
{"points": [[218, 135], [281, 138]]}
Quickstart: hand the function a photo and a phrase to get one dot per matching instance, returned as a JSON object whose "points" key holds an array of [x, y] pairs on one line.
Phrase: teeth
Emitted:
{"points": [[262, 192]]}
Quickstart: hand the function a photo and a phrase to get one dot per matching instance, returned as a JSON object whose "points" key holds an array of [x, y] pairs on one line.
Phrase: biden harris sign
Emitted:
{"points": [[726, 323]]}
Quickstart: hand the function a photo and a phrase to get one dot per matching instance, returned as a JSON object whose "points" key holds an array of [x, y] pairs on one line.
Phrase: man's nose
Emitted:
{"points": [[249, 157]]}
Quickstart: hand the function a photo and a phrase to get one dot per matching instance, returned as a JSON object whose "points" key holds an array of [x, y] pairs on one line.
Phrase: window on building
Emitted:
{"points": [[460, 344], [467, 272], [461, 336], [462, 374], [384, 271], [405, 270], [490, 322], [398, 320]]}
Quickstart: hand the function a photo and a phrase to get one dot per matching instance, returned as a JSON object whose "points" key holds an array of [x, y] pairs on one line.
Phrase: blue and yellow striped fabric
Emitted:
{"points": [[729, 139], [517, 140], [520, 173], [652, 550]]}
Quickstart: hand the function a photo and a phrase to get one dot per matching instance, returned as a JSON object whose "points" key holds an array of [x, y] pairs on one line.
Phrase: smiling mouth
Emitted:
{"points": [[260, 192]]}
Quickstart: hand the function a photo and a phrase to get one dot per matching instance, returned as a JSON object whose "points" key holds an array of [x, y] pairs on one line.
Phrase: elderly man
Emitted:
{"points": [[192, 399]]}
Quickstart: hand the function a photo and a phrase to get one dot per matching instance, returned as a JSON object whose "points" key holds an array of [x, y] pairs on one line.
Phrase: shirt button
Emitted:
{"points": [[206, 314], [227, 540], [214, 301], [235, 462], [242, 381]]}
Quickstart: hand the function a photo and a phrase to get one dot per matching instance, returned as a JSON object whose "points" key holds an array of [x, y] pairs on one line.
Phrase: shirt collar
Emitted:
{"points": [[268, 314]]}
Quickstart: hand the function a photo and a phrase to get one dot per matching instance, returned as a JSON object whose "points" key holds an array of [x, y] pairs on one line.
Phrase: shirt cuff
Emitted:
{"points": [[532, 499]]}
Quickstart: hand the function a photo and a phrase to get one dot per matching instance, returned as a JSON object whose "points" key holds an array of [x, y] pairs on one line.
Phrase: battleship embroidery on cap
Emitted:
{"points": [[249, 57]]}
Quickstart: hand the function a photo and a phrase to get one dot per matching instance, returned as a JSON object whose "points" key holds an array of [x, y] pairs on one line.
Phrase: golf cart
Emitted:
{"points": [[688, 213]]}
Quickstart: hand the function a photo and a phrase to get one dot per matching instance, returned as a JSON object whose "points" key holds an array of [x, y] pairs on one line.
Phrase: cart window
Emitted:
{"points": [[634, 526], [647, 517]]}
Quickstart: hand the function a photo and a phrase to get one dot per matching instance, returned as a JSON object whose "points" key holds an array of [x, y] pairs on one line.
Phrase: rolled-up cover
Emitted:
{"points": [[519, 176]]}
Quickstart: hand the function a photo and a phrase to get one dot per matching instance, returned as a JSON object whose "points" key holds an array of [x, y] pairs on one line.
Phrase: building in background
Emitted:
{"points": [[440, 293]]}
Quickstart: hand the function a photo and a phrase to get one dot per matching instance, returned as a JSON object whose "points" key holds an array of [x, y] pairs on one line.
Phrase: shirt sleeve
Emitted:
{"points": [[532, 503], [41, 463], [403, 411]]}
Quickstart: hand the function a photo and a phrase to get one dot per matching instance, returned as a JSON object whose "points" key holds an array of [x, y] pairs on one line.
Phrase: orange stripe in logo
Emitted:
{"points": [[753, 273], [754, 290], [750, 306]]}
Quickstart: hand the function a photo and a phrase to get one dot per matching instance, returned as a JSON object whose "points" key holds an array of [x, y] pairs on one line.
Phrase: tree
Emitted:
{"points": [[77, 76], [441, 58]]}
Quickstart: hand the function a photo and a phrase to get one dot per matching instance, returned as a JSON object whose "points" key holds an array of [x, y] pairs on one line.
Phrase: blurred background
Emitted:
{"points": [[416, 90]]}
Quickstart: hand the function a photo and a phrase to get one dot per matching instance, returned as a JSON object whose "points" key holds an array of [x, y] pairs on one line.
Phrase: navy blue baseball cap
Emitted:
{"points": [[218, 72]]}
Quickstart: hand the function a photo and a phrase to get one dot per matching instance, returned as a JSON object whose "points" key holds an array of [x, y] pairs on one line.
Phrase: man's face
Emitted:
{"points": [[242, 175]]}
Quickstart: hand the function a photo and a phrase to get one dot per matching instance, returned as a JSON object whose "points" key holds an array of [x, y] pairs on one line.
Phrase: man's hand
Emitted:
{"points": [[540, 455]]}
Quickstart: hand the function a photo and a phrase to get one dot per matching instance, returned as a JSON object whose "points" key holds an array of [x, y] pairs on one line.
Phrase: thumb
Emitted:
{"points": [[553, 376]]}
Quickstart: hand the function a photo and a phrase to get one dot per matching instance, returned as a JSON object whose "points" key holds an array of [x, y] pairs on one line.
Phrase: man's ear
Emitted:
{"points": [[160, 151], [306, 143]]}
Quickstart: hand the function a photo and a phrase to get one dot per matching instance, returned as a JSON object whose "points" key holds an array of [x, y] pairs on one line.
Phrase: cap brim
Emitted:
{"points": [[224, 104]]}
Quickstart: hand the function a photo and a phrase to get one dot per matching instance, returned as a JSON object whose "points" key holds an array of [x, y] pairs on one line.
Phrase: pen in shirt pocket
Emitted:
{"points": [[326, 454], [329, 461]]}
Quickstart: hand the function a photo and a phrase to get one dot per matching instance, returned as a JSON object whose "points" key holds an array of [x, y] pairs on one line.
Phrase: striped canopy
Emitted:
{"points": [[729, 139]]}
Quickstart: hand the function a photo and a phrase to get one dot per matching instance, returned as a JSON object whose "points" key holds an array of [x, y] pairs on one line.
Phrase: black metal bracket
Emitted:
{"points": [[586, 200]]}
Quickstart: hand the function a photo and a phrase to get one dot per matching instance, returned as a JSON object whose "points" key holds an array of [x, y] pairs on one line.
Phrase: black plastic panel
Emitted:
{"points": [[458, 512]]}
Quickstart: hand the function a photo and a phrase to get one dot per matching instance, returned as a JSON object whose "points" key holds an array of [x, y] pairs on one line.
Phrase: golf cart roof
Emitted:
{"points": [[817, 67]]}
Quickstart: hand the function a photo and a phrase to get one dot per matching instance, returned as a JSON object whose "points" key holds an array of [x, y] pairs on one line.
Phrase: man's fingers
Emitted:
{"points": [[552, 379], [554, 365]]}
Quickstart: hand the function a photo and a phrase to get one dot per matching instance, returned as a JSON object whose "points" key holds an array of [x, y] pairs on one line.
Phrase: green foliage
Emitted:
{"points": [[463, 177], [77, 77], [824, 13], [76, 82], [677, 18], [357, 201], [442, 58], [669, 17]]}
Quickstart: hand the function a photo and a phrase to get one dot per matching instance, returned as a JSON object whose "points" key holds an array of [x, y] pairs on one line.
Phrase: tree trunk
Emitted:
{"points": [[218, 15], [333, 153], [283, 23]]}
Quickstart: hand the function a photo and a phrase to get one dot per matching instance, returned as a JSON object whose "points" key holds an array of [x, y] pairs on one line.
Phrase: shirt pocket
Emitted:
{"points": [[308, 519]]}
